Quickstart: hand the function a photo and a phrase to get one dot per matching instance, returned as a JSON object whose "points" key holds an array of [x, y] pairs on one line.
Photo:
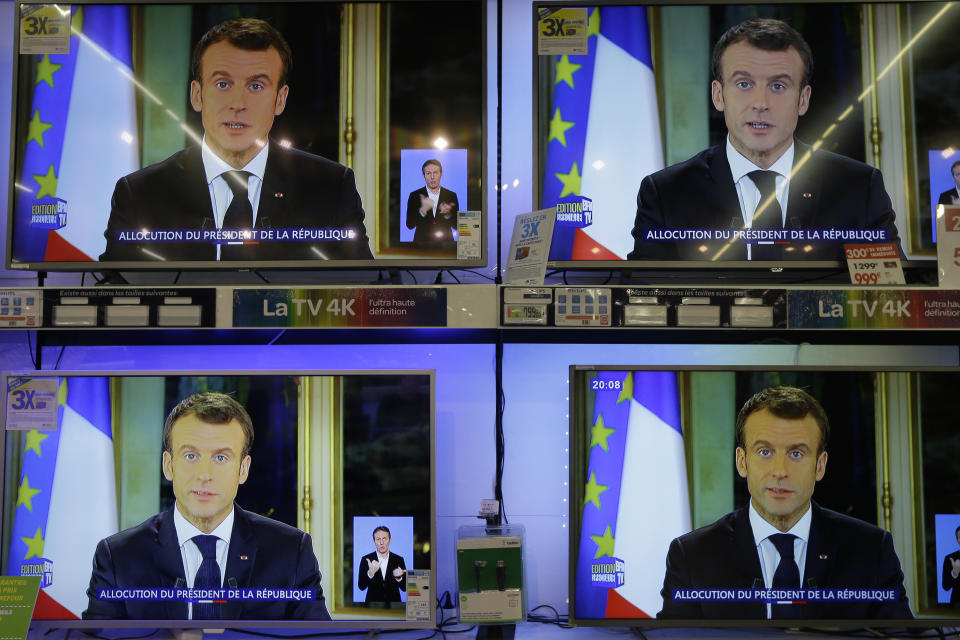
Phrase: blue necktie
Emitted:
{"points": [[208, 577], [787, 575]]}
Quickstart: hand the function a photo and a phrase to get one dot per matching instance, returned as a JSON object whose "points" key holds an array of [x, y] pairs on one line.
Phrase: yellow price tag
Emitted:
{"points": [[45, 29], [562, 32]]}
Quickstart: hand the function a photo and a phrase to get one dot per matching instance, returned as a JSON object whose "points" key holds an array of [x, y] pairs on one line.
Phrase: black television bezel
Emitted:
{"points": [[576, 371], [371, 624], [408, 263], [663, 270]]}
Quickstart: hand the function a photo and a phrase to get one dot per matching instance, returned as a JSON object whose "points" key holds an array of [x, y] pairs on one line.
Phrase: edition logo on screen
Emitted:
{"points": [[612, 573]]}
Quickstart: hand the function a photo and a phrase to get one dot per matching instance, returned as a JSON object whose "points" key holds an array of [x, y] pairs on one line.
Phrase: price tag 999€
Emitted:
{"points": [[874, 264]]}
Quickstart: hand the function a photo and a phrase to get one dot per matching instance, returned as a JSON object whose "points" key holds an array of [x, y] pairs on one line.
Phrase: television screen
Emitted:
{"points": [[174, 499], [777, 495], [309, 134], [746, 136]]}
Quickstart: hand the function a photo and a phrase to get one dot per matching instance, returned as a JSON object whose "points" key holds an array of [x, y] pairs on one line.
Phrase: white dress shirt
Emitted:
{"points": [[383, 558], [767, 551], [190, 553], [220, 193], [747, 191]]}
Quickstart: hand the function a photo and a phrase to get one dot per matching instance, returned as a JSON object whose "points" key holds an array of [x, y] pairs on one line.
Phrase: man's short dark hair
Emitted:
{"points": [[954, 166], [767, 34], [249, 34], [956, 534], [384, 529], [423, 169], [789, 403], [211, 407]]}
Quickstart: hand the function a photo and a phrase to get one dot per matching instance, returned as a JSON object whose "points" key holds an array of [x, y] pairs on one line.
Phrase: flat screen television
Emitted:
{"points": [[334, 118], [674, 518], [331, 503], [630, 142]]}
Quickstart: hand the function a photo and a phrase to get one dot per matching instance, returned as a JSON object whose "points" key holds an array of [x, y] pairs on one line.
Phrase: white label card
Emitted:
{"points": [[874, 264]]}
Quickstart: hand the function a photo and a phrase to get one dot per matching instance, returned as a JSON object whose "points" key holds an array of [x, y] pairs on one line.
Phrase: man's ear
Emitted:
{"points": [[821, 464], [196, 101], [281, 99], [716, 94], [741, 462], [244, 469], [804, 100], [167, 464]]}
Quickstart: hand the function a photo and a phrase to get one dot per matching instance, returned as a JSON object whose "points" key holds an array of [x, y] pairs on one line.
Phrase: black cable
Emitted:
{"points": [[176, 278], [499, 277], [261, 276], [557, 619], [500, 444], [452, 275], [36, 365], [412, 277], [59, 357], [476, 273]]}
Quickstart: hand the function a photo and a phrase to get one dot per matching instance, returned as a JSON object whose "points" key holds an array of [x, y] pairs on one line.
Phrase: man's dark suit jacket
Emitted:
{"points": [[379, 590], [842, 552], [299, 190], [263, 553], [827, 191], [948, 197], [950, 583], [433, 231]]}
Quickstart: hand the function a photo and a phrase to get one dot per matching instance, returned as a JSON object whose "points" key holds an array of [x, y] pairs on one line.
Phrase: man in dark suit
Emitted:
{"points": [[951, 573], [206, 541], [432, 211], [761, 178], [236, 179], [383, 574], [783, 540], [952, 196]]}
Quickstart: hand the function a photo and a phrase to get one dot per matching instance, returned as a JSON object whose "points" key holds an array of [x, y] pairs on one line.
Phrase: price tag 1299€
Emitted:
{"points": [[874, 264]]}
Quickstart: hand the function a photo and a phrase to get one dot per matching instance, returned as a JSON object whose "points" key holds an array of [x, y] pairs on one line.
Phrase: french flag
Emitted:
{"points": [[636, 498], [655, 473], [604, 133], [67, 497], [82, 137]]}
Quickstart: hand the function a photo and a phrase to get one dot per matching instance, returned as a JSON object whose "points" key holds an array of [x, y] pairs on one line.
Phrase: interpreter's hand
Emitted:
{"points": [[426, 204]]}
